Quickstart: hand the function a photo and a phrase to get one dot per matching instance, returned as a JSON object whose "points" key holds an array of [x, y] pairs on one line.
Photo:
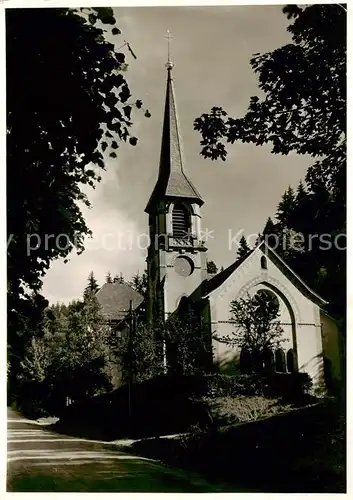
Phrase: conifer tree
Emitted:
{"points": [[139, 282], [270, 233], [92, 287], [119, 278], [286, 208], [211, 267], [108, 278], [243, 248]]}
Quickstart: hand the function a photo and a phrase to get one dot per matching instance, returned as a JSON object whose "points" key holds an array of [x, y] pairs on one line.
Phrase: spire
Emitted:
{"points": [[172, 180]]}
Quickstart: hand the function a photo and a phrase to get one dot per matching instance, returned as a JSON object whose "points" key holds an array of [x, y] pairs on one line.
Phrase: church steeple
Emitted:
{"points": [[176, 257], [172, 180]]}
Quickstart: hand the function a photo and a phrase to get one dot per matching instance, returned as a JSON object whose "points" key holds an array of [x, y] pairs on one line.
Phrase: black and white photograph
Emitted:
{"points": [[176, 248]]}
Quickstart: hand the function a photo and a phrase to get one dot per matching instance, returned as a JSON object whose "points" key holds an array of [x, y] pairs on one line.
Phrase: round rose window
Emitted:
{"points": [[184, 266]]}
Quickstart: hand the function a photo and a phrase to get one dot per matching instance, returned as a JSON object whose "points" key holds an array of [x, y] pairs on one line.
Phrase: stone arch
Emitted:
{"points": [[187, 206], [276, 287], [288, 300]]}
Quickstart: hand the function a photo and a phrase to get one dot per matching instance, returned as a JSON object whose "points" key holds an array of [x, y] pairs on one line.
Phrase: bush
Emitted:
{"points": [[228, 410], [289, 386]]}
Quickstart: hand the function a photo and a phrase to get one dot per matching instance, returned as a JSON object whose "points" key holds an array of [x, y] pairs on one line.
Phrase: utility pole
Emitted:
{"points": [[131, 328]]}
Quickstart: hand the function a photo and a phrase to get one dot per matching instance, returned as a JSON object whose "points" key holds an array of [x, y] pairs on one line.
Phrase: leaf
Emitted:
{"points": [[147, 114], [138, 104], [92, 19], [116, 31], [127, 111], [112, 155], [133, 141], [114, 145]]}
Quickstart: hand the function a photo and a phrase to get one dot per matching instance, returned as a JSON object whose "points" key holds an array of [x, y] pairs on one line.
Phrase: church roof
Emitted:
{"points": [[114, 299], [221, 277], [172, 180]]}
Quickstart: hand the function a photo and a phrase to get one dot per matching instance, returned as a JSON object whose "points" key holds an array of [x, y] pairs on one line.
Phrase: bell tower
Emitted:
{"points": [[176, 260]]}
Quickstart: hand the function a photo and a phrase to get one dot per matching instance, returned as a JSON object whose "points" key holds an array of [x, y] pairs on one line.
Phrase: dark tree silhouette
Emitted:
{"points": [[303, 110], [67, 102], [243, 248], [92, 287], [139, 282], [211, 267]]}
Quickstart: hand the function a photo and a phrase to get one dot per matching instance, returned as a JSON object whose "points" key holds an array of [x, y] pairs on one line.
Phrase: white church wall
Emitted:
{"points": [[301, 314], [177, 286]]}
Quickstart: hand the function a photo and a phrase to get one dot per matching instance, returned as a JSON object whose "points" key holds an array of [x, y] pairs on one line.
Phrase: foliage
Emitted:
{"points": [[285, 208], [70, 360], [188, 344], [211, 267], [303, 110], [139, 282], [73, 104], [25, 321], [305, 93], [257, 327], [118, 278], [139, 354], [52, 141], [244, 248], [229, 410], [91, 288], [290, 386], [108, 278]]}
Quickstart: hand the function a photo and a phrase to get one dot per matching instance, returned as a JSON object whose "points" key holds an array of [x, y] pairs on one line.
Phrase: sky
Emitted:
{"points": [[211, 49]]}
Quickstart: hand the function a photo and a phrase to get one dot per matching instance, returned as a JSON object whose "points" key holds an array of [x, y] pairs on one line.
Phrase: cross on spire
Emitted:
{"points": [[169, 37]]}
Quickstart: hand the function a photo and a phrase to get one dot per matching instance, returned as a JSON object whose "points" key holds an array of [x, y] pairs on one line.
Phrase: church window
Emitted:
{"points": [[263, 262], [280, 361], [181, 221], [290, 361], [265, 297], [268, 360]]}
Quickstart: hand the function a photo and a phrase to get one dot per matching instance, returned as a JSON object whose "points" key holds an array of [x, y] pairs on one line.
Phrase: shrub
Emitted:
{"points": [[290, 386], [285, 385], [229, 410]]}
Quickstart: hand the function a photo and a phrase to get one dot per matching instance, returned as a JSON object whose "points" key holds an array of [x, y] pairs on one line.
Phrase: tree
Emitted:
{"points": [[26, 318], [304, 107], [119, 278], [270, 233], [211, 267], [140, 354], [73, 105], [70, 360], [257, 327], [303, 110], [286, 207], [108, 278], [243, 248], [92, 286], [187, 340], [139, 282]]}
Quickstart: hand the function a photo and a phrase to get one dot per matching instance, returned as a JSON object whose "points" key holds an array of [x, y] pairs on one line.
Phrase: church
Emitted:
{"points": [[177, 272]]}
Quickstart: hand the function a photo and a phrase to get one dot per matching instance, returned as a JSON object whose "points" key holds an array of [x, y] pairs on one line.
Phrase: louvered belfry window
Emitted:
{"points": [[180, 221]]}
